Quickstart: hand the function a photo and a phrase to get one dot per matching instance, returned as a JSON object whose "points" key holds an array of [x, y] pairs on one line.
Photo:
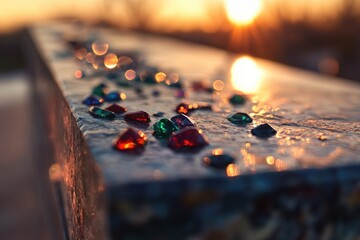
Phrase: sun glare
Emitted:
{"points": [[246, 75], [243, 12]]}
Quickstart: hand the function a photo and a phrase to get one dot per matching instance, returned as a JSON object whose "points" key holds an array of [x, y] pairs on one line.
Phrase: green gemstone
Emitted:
{"points": [[164, 128], [237, 99], [100, 90], [240, 118], [101, 113]]}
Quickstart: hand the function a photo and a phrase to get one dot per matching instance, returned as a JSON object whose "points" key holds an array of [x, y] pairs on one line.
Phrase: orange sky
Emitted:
{"points": [[174, 14]]}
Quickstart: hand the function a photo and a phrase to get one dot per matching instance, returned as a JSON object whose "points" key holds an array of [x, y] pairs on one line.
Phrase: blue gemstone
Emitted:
{"points": [[263, 131], [159, 114], [112, 75], [218, 159], [113, 97], [156, 93], [93, 101], [183, 121]]}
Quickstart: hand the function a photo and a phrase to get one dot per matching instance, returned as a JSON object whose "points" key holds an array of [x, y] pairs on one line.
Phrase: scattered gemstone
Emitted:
{"points": [[182, 108], [176, 85], [180, 94], [237, 99], [139, 90], [183, 121], [198, 86], [263, 131], [185, 138], [164, 128], [131, 141], [240, 118], [114, 96], [148, 77], [115, 108], [101, 113], [139, 116], [159, 114], [93, 101], [112, 75], [101, 90], [218, 159], [156, 93]]}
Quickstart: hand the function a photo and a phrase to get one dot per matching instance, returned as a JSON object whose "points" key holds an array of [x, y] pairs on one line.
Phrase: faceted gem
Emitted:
{"points": [[182, 108], [93, 101], [139, 90], [237, 99], [123, 83], [112, 75], [189, 137], [139, 116], [115, 108], [101, 113], [131, 141], [180, 93], [101, 90], [198, 86], [148, 77], [240, 118], [164, 128], [156, 93], [159, 114], [183, 121], [176, 85], [218, 159], [263, 131], [114, 96]]}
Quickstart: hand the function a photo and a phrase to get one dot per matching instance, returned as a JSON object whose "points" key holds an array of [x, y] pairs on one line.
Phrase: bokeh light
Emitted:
{"points": [[246, 75], [130, 74], [100, 48], [110, 61]]}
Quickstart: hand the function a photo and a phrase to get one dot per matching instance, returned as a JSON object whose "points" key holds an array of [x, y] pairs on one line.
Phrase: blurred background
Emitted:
{"points": [[317, 35]]}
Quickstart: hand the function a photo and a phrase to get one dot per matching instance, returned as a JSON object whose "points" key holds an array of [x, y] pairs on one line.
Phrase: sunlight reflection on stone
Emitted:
{"points": [[246, 75]]}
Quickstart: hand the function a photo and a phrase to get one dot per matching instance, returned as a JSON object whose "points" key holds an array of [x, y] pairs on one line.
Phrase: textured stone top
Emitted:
{"points": [[317, 118]]}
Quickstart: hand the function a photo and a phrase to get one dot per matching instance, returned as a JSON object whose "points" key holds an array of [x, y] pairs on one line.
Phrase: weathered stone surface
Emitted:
{"points": [[153, 189]]}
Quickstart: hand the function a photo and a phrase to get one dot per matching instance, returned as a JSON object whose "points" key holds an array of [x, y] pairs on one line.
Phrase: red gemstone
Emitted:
{"points": [[139, 116], [189, 137], [115, 108], [199, 86], [131, 141], [182, 108]]}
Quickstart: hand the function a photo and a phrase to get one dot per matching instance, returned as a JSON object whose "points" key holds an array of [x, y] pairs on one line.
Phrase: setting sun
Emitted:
{"points": [[243, 12]]}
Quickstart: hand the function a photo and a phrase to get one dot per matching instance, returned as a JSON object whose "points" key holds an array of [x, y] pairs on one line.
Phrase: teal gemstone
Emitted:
{"points": [[101, 113], [240, 118], [237, 99], [218, 159], [100, 90], [164, 128], [263, 131]]}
